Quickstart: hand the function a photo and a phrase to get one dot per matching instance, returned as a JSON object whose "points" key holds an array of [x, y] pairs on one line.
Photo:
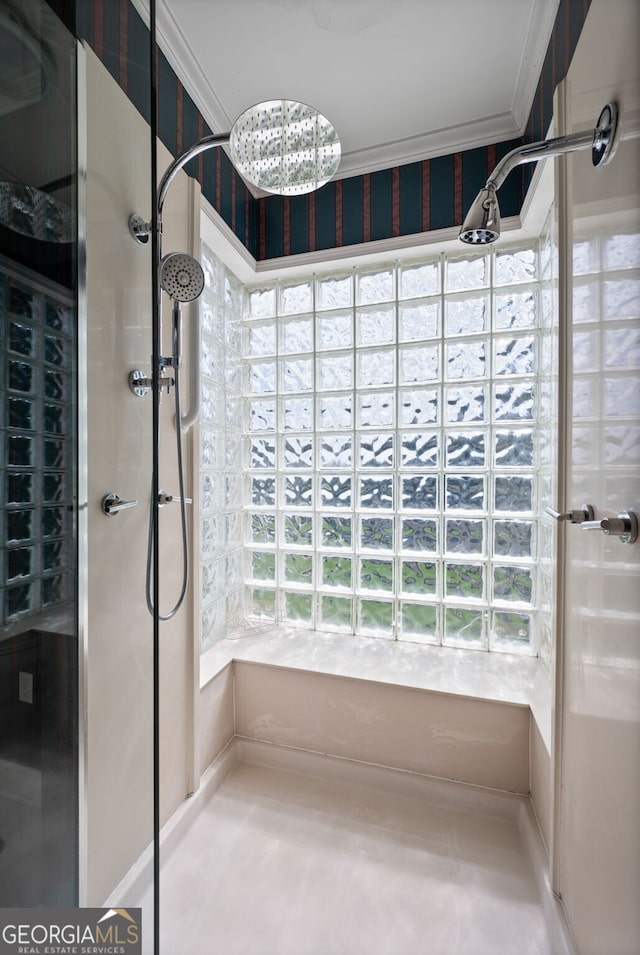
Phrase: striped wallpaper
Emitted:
{"points": [[408, 199]]}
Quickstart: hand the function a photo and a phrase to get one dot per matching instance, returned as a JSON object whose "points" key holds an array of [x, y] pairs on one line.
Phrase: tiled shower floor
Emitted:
{"points": [[280, 862]]}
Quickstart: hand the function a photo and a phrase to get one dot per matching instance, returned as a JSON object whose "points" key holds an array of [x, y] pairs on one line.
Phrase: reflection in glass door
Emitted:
{"points": [[38, 331]]}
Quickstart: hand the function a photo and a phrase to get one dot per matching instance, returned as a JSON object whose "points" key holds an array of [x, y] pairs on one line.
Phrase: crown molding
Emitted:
{"points": [[438, 142], [543, 18], [427, 145]]}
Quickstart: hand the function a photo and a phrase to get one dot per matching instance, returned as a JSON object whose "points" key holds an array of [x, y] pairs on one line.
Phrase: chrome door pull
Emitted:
{"points": [[112, 504], [624, 526], [577, 516], [164, 498]]}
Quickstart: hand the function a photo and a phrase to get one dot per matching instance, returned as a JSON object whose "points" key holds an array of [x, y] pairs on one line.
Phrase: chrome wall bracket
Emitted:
{"points": [[139, 229], [139, 383]]}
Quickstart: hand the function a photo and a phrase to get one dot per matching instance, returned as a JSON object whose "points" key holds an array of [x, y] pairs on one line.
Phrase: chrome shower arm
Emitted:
{"points": [[207, 142], [532, 152]]}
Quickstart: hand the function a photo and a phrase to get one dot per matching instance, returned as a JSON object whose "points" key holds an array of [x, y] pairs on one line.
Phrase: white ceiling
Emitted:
{"points": [[401, 80]]}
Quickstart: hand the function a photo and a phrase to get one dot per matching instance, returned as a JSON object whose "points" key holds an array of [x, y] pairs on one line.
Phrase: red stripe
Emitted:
{"points": [[312, 222], [124, 45], [395, 201], [491, 159], [457, 187], [262, 230], [179, 116], [339, 239], [98, 28], [286, 230], [426, 195], [366, 207]]}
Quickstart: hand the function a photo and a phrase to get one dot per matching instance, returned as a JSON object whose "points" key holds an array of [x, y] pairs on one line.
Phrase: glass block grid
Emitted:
{"points": [[221, 467], [36, 556], [392, 451]]}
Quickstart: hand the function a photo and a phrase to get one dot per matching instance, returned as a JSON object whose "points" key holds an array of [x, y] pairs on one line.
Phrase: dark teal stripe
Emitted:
{"points": [[474, 175], [299, 241], [547, 93], [511, 191], [111, 54], [226, 171], [326, 216], [442, 192], [210, 158], [381, 205], [167, 97], [273, 209], [352, 229], [411, 198], [84, 20], [253, 227], [576, 22], [139, 56], [241, 207], [189, 131]]}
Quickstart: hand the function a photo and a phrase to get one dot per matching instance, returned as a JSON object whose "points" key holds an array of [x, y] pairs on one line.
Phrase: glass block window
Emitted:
{"points": [[222, 491], [393, 452], [36, 391]]}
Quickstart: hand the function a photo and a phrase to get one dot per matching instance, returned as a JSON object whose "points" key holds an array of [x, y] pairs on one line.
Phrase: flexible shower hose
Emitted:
{"points": [[183, 516]]}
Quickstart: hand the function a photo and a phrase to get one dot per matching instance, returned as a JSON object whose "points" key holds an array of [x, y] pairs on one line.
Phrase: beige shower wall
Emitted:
{"points": [[117, 811]]}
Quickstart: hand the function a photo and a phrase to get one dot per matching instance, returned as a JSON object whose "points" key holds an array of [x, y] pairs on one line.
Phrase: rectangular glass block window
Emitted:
{"points": [[400, 452]]}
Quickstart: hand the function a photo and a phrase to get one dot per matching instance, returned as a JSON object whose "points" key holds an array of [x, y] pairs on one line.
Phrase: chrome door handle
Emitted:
{"points": [[624, 526], [112, 504], [577, 516]]}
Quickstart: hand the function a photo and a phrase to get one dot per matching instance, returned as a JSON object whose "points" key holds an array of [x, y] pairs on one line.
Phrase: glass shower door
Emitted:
{"points": [[38, 455], [76, 639]]}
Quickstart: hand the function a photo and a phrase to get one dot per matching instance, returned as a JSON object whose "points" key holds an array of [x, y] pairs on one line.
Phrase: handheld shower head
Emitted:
{"points": [[181, 277], [482, 223]]}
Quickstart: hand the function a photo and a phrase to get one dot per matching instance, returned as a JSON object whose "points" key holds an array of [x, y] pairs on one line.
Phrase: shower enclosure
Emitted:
{"points": [[76, 641]]}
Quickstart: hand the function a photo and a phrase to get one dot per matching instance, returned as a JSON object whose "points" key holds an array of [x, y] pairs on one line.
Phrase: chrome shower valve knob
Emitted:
{"points": [[624, 526]]}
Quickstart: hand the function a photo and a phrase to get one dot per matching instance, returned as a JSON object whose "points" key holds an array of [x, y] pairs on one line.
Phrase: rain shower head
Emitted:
{"points": [[284, 147], [482, 223], [181, 277]]}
